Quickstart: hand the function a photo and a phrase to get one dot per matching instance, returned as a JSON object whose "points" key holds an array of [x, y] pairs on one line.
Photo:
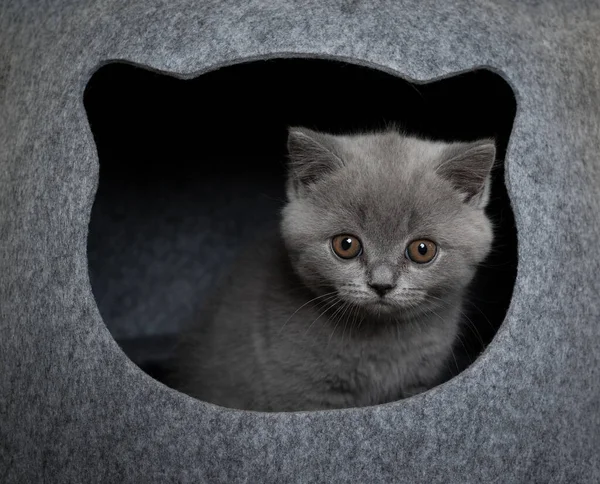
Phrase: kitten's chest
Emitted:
{"points": [[370, 372], [353, 369]]}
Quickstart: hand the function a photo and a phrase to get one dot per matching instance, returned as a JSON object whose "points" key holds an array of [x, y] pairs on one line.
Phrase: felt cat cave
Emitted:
{"points": [[113, 235]]}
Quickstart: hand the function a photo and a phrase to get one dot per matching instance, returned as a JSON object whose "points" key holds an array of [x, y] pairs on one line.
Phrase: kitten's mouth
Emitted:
{"points": [[384, 306], [382, 302], [388, 305], [381, 305]]}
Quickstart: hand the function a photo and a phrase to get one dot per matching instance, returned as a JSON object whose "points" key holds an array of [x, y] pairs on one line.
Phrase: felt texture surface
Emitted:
{"points": [[74, 408]]}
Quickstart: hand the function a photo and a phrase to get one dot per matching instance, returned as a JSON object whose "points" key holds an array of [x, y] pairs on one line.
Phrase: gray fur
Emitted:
{"points": [[294, 327]]}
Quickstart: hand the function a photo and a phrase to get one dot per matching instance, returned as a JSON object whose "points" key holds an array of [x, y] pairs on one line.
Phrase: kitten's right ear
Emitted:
{"points": [[468, 167], [311, 156]]}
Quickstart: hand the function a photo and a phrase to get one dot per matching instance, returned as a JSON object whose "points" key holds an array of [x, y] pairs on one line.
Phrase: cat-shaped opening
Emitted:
{"points": [[192, 170]]}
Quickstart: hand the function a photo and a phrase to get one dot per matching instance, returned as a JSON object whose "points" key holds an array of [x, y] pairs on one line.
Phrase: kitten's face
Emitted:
{"points": [[391, 224]]}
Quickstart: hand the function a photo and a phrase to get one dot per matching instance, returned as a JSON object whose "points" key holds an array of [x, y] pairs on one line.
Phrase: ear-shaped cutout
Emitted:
{"points": [[468, 166], [311, 156]]}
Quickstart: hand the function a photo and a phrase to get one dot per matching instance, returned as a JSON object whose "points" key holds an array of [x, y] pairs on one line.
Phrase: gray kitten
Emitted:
{"points": [[358, 300]]}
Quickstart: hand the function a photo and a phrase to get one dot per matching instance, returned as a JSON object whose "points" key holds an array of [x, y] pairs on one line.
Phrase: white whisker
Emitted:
{"points": [[336, 300], [337, 321], [306, 303]]}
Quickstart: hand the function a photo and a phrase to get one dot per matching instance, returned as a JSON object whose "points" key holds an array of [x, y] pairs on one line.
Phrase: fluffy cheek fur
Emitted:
{"points": [[307, 236], [461, 255]]}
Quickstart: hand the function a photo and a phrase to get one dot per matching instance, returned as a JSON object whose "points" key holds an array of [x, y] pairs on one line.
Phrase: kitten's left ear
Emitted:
{"points": [[468, 166], [312, 156]]}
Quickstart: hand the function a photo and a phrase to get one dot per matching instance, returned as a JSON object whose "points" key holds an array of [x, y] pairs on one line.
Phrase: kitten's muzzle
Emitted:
{"points": [[382, 279], [381, 288]]}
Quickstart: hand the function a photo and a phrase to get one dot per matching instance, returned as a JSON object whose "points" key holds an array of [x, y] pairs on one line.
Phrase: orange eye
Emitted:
{"points": [[346, 246], [421, 251]]}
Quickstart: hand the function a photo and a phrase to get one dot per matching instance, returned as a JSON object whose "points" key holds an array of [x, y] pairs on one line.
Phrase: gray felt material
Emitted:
{"points": [[74, 408]]}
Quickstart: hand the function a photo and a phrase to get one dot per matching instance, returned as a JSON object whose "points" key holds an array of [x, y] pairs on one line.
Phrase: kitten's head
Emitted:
{"points": [[390, 223]]}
